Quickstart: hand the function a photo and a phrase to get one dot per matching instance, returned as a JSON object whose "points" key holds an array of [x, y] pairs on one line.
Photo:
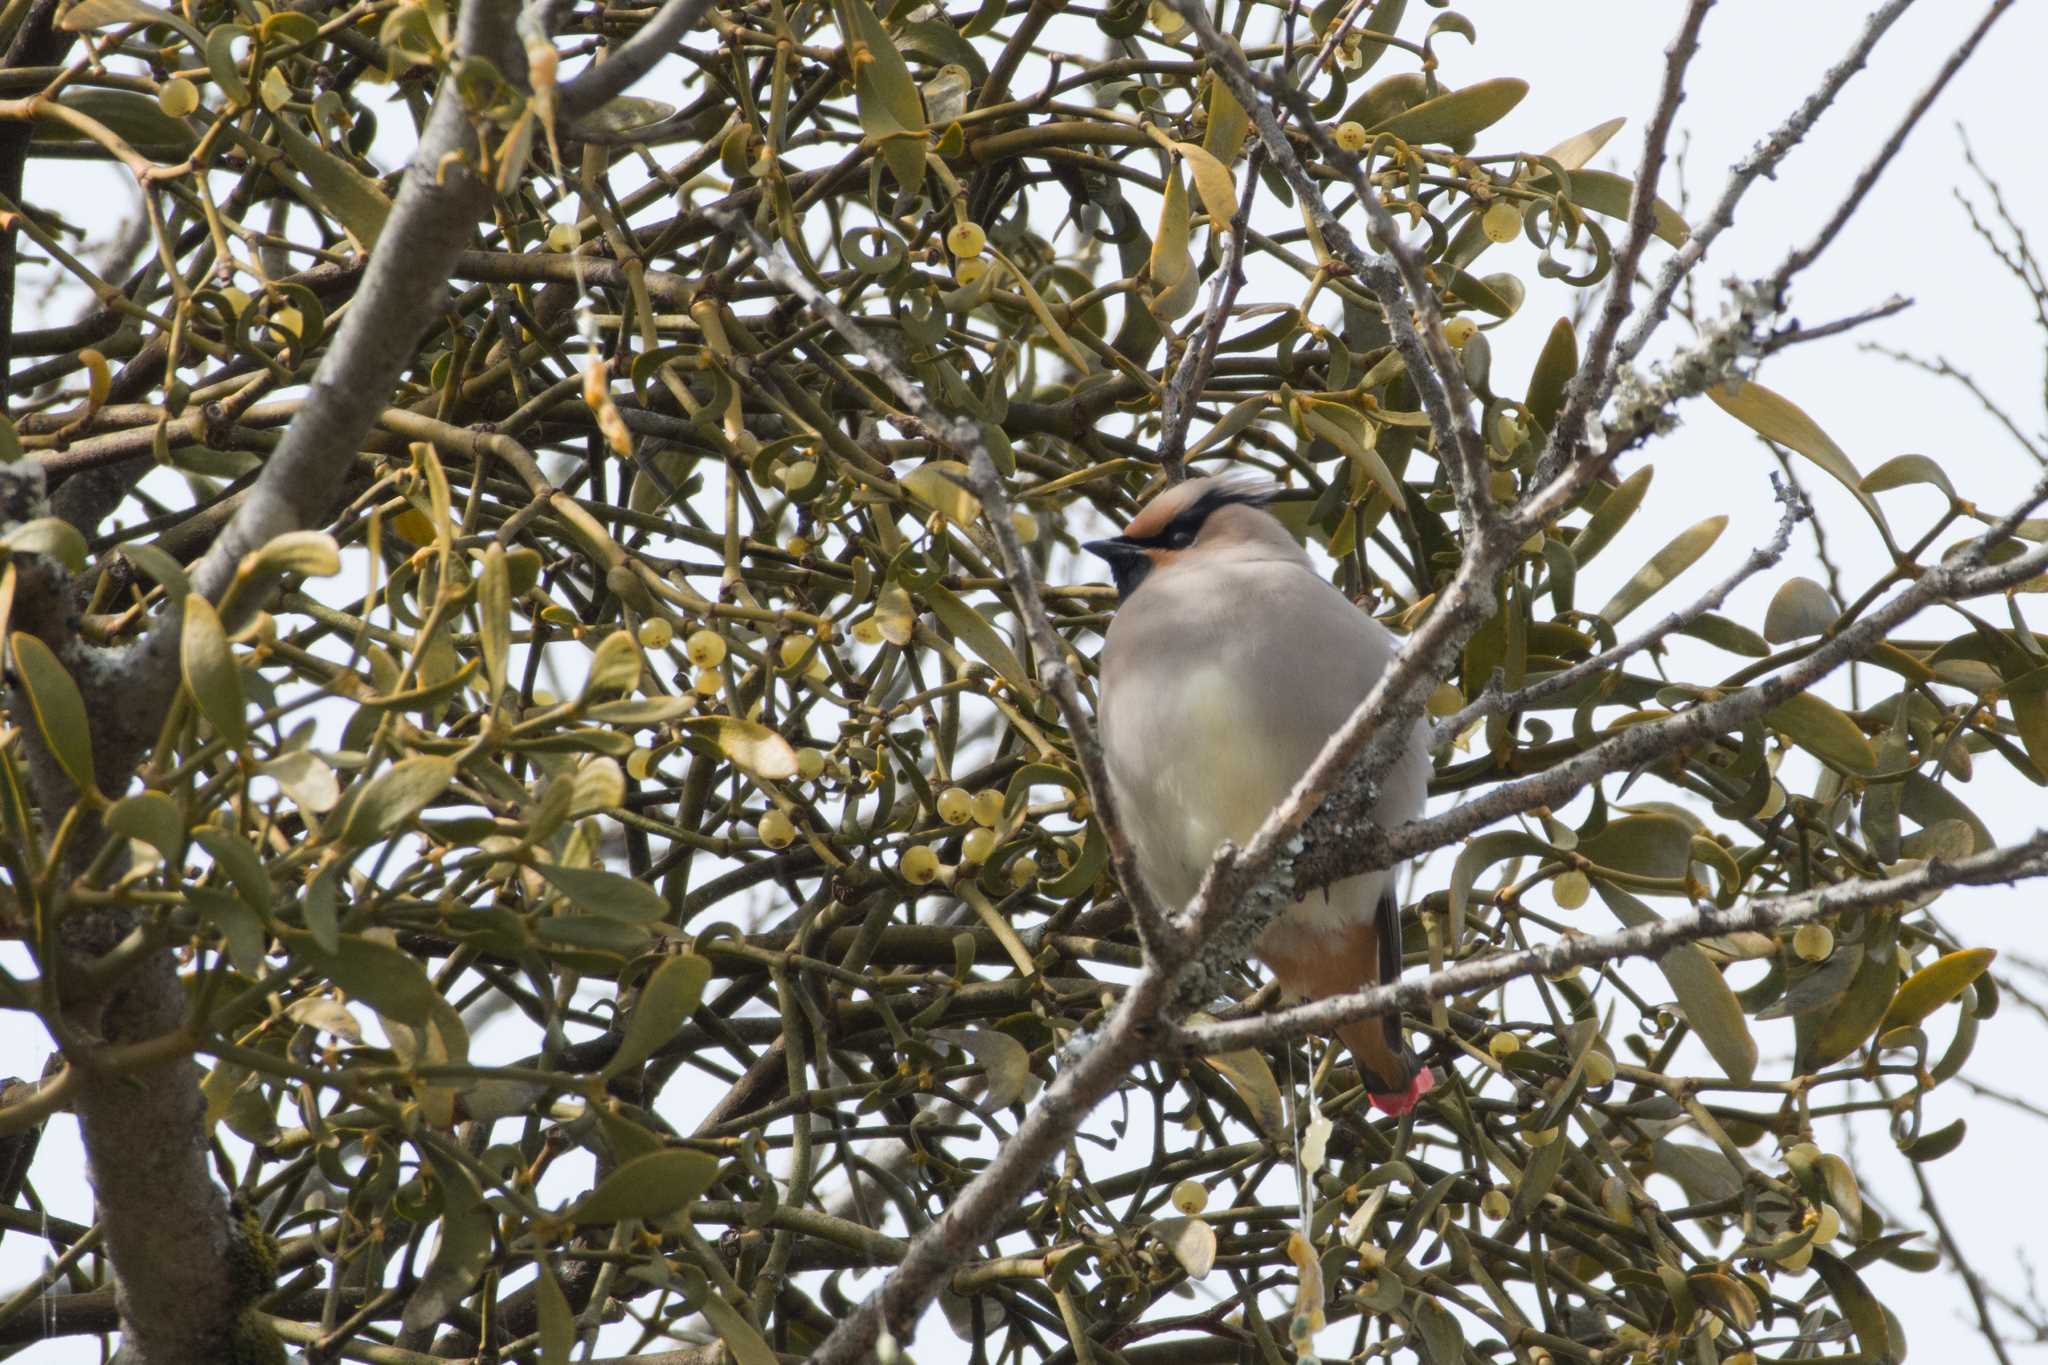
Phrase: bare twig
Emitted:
{"points": [[1940, 367], [1198, 360], [1589, 386], [1797, 336], [1804, 256], [1973, 1283], [1762, 161]]}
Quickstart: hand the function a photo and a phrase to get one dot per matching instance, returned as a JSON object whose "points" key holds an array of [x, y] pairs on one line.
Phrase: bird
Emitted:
{"points": [[1228, 663]]}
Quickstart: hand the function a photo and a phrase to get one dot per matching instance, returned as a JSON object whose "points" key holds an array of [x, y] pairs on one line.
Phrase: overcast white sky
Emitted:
{"points": [[1589, 60]]}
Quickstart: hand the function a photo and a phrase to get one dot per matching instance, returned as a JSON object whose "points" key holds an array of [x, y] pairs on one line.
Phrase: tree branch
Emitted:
{"points": [[1762, 161], [1805, 256], [1494, 702], [1198, 361], [1321, 1017], [1588, 387], [632, 59]]}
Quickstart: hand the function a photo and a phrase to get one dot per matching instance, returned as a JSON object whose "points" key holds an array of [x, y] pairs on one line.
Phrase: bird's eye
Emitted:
{"points": [[1180, 537]]}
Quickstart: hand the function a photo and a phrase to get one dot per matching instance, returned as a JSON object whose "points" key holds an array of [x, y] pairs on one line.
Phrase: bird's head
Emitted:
{"points": [[1191, 521]]}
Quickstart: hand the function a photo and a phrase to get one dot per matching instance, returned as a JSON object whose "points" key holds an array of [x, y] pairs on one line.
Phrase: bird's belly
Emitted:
{"points": [[1216, 774]]}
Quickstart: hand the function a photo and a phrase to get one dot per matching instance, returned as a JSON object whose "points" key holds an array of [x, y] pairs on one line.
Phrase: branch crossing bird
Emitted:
{"points": [[1229, 663]]}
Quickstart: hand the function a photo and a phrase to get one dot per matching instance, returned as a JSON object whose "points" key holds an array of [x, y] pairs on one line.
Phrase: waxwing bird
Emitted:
{"points": [[1229, 663]]}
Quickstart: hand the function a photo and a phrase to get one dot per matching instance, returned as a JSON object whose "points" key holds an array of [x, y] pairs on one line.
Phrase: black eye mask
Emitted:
{"points": [[1128, 557]]}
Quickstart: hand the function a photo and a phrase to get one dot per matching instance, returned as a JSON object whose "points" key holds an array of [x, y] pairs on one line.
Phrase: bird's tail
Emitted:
{"points": [[1394, 1077]]}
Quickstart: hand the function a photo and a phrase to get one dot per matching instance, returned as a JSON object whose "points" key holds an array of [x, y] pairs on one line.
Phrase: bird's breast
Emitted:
{"points": [[1195, 769]]}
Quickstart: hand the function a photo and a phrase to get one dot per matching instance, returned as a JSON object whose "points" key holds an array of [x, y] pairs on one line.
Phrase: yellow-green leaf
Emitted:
{"points": [[1855, 1301], [1481, 852], [1555, 366], [1800, 608], [1580, 148], [1228, 126], [1901, 470], [614, 666], [1172, 268], [885, 96], [1458, 113], [1935, 985], [1824, 731], [1345, 429], [1608, 194], [1675, 558], [1252, 1079], [1611, 515], [1776, 418], [895, 617], [1213, 185], [494, 616], [306, 778], [309, 554], [159, 565], [88, 15], [58, 706], [557, 1321], [233, 855], [1652, 845], [1192, 1242], [1003, 1058], [221, 63], [667, 999], [1709, 1003], [750, 744], [391, 798], [357, 202], [742, 1341], [973, 630], [52, 536], [152, 818], [383, 976], [135, 117], [1384, 99], [648, 1186], [210, 672], [941, 486], [607, 893]]}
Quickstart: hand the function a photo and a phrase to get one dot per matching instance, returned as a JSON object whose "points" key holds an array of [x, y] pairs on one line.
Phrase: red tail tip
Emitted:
{"points": [[1400, 1102]]}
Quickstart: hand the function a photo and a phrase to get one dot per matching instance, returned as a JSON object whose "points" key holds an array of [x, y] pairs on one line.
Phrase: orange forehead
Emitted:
{"points": [[1152, 519]]}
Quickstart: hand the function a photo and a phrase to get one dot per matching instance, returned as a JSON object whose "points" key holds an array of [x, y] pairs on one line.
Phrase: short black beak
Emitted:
{"points": [[1113, 549], [1128, 562]]}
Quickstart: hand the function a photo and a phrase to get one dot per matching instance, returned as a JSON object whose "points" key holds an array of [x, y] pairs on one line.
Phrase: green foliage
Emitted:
{"points": [[608, 719]]}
